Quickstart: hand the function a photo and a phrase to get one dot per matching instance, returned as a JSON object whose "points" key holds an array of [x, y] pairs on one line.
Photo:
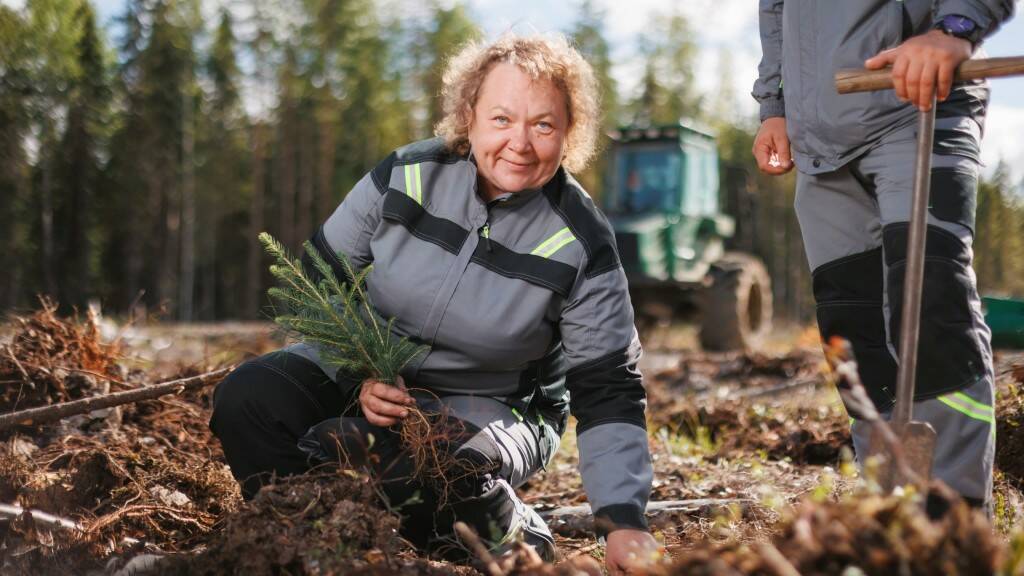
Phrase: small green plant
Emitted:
{"points": [[336, 316]]}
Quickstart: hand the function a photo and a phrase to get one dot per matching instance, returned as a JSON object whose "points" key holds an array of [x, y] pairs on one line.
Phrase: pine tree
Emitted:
{"points": [[78, 163], [52, 35], [450, 28], [588, 36], [998, 246], [223, 187], [667, 90], [147, 153], [15, 92]]}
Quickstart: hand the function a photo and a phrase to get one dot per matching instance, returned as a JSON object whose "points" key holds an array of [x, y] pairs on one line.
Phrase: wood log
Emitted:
{"points": [[44, 414]]}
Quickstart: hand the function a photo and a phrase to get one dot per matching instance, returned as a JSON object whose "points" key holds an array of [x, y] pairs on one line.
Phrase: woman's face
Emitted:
{"points": [[518, 131]]}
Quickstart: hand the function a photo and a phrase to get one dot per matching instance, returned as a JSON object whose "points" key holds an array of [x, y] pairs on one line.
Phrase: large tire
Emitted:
{"points": [[736, 309]]}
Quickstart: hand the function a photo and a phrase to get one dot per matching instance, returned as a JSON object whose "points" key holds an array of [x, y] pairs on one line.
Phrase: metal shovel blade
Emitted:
{"points": [[912, 464]]}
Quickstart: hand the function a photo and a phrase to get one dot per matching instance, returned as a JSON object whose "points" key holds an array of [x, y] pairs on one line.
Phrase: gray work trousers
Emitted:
{"points": [[854, 226]]}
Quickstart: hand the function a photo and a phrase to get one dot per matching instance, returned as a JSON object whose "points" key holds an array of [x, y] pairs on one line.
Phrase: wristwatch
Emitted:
{"points": [[960, 27]]}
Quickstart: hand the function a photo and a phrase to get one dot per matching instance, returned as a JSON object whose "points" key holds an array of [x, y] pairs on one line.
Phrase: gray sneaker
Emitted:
{"points": [[530, 528]]}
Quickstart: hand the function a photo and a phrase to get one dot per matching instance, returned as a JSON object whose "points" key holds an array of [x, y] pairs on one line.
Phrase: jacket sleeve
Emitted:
{"points": [[349, 229], [607, 398], [768, 86], [987, 14]]}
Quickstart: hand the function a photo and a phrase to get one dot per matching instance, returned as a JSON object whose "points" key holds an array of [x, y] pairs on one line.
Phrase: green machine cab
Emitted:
{"points": [[664, 204]]}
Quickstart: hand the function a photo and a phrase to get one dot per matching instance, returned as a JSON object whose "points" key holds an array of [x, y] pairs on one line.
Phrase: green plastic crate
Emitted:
{"points": [[1005, 316]]}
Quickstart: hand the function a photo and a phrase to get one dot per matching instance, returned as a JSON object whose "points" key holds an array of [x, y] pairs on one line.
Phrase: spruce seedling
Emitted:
{"points": [[335, 316], [338, 318]]}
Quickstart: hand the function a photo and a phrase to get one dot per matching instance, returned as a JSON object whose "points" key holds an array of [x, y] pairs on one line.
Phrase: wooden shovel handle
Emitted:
{"points": [[860, 80]]}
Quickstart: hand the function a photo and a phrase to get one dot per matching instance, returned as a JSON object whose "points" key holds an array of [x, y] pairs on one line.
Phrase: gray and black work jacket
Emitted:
{"points": [[520, 298], [804, 42]]}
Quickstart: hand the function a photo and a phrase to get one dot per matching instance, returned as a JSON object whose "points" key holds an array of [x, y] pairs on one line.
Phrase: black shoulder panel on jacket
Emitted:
{"points": [[320, 244], [433, 150], [381, 173], [587, 223]]}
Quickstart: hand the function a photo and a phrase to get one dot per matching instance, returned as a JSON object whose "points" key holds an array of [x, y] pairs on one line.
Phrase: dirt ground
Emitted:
{"points": [[753, 472]]}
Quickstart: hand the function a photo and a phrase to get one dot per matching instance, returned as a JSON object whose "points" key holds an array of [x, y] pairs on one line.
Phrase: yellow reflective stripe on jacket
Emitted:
{"points": [[956, 403], [413, 183], [553, 244]]}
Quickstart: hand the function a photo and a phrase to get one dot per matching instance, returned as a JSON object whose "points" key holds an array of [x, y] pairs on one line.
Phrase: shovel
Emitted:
{"points": [[916, 438]]}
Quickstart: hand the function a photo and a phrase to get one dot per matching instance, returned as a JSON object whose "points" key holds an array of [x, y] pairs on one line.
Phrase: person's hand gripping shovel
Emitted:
{"points": [[915, 439]]}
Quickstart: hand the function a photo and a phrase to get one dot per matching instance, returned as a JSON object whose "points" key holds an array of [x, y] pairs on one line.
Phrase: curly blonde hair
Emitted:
{"points": [[549, 58]]}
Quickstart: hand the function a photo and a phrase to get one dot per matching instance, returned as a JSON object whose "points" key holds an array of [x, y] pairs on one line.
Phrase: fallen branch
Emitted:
{"points": [[656, 506], [576, 520], [44, 414]]}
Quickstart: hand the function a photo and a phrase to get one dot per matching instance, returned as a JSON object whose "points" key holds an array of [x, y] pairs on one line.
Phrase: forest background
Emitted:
{"points": [[140, 159]]}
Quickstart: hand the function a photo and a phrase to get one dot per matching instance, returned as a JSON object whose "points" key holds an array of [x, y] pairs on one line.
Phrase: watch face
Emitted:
{"points": [[958, 25]]}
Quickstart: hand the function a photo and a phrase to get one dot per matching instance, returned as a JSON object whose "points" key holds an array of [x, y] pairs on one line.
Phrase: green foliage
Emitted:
{"points": [[143, 171], [999, 242], [588, 36], [450, 29], [667, 89], [337, 317]]}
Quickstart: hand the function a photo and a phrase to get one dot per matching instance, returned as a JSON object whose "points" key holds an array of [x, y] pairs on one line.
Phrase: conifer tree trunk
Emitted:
{"points": [[253, 287], [285, 173], [186, 284], [46, 228], [307, 171], [325, 173]]}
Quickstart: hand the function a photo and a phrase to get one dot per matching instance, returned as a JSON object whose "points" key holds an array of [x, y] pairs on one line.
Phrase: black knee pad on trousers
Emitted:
{"points": [[849, 299], [262, 408], [950, 355]]}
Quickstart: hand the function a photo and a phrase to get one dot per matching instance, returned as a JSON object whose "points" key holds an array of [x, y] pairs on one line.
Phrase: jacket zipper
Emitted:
{"points": [[485, 231]]}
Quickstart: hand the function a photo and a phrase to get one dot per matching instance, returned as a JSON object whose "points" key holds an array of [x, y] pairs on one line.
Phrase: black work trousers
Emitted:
{"points": [[278, 415]]}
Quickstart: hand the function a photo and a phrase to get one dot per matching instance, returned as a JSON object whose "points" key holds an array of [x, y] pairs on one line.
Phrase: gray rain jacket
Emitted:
{"points": [[804, 42], [520, 299]]}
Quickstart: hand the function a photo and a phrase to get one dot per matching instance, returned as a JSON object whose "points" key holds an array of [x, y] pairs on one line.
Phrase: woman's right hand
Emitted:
{"points": [[384, 404]]}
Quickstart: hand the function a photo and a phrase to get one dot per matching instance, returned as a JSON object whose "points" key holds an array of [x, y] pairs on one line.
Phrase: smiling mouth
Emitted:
{"points": [[517, 164]]}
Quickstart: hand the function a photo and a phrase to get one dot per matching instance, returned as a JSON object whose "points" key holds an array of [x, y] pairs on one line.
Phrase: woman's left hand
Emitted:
{"points": [[629, 550], [384, 404]]}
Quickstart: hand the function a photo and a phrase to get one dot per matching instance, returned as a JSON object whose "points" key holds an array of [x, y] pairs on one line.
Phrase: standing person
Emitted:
{"points": [[854, 156], [484, 247]]}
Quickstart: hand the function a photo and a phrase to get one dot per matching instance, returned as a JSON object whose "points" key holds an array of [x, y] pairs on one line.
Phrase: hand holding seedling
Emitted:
{"points": [[922, 66], [384, 404]]}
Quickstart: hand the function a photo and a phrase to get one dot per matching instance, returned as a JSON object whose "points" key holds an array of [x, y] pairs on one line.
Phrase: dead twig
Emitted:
{"points": [[145, 510], [17, 364], [775, 560], [12, 511], [44, 414]]}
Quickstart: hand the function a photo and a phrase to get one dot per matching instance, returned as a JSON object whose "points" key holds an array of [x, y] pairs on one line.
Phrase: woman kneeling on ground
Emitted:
{"points": [[486, 249]]}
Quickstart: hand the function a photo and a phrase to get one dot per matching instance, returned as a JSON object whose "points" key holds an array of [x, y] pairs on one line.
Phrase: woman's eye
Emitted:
{"points": [[545, 126], [502, 120]]}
